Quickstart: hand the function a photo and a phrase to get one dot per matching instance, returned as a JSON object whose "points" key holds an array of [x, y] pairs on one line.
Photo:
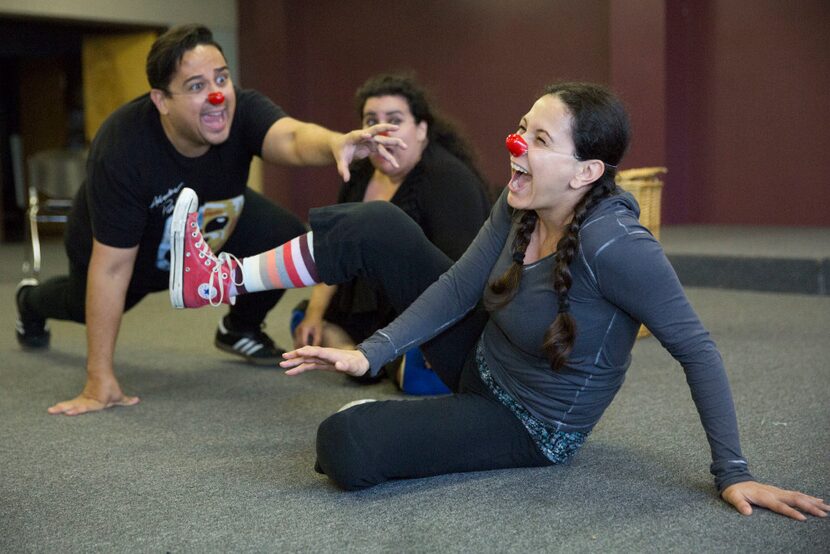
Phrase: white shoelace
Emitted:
{"points": [[223, 258]]}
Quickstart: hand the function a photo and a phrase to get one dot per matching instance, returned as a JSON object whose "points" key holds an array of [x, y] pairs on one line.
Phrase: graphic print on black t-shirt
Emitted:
{"points": [[217, 220], [134, 175]]}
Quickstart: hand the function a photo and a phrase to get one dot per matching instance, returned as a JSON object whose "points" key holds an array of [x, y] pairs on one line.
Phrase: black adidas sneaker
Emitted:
{"points": [[32, 332], [255, 346]]}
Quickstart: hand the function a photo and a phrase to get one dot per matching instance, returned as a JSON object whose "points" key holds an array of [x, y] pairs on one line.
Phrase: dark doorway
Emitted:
{"points": [[41, 106]]}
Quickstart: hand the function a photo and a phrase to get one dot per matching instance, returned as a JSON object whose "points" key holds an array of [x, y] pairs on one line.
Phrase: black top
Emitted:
{"points": [[134, 175], [444, 197]]}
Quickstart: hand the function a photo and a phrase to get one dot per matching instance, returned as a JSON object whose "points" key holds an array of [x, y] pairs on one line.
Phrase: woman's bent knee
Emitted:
{"points": [[342, 452], [365, 222]]}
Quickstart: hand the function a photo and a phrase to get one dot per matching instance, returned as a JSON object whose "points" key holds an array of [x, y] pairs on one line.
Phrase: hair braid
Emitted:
{"points": [[600, 130], [504, 288], [560, 336]]}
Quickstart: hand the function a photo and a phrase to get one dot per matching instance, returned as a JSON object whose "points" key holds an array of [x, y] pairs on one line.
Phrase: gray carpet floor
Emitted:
{"points": [[218, 456]]}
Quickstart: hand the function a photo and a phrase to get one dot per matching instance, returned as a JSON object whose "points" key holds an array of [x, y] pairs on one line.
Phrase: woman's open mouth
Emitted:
{"points": [[519, 178]]}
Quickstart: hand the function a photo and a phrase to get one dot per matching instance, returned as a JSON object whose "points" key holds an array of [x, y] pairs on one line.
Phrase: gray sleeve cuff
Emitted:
{"points": [[378, 351], [729, 472]]}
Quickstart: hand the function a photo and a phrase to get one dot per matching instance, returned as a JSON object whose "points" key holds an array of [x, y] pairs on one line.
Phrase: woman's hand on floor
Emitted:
{"points": [[743, 495], [352, 362]]}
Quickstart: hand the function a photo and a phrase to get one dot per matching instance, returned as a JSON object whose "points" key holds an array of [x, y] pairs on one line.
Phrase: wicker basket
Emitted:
{"points": [[646, 186]]}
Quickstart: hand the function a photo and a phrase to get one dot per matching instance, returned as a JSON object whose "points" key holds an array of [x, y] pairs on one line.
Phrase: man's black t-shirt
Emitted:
{"points": [[134, 175]]}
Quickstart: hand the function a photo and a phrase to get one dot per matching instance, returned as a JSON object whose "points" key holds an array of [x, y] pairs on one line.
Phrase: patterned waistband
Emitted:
{"points": [[557, 446]]}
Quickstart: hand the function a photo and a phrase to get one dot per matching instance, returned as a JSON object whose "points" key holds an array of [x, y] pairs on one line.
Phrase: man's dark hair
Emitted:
{"points": [[167, 52]]}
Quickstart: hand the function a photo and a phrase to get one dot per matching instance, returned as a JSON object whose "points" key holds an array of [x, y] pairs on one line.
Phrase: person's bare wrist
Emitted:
{"points": [[367, 365], [314, 315]]}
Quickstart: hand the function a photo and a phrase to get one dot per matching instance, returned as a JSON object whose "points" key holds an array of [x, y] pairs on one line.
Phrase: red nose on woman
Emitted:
{"points": [[516, 145], [216, 98]]}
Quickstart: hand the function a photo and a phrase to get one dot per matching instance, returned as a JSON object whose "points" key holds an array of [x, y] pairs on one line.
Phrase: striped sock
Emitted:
{"points": [[285, 267]]}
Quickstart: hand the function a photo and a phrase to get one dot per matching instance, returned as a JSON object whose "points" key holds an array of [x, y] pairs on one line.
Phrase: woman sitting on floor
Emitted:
{"points": [[435, 183], [566, 273]]}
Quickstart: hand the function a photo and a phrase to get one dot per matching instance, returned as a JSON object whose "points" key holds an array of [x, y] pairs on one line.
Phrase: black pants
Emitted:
{"points": [[469, 430], [262, 226]]}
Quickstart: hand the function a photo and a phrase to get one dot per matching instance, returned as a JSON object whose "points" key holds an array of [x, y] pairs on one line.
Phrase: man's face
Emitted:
{"points": [[190, 120]]}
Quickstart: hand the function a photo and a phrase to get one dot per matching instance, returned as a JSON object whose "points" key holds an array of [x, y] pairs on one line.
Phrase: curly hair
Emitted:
{"points": [[439, 129]]}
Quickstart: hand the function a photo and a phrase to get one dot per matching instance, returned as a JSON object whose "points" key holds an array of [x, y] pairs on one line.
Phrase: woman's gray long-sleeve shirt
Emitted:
{"points": [[621, 277]]}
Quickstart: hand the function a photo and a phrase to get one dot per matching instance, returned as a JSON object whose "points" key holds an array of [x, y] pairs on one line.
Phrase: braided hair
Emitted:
{"points": [[601, 131]]}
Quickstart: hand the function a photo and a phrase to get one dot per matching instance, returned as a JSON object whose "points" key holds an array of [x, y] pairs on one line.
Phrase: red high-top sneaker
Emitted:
{"points": [[197, 276]]}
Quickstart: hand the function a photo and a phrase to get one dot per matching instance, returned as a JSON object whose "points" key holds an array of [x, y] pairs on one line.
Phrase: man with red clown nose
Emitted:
{"points": [[193, 129]]}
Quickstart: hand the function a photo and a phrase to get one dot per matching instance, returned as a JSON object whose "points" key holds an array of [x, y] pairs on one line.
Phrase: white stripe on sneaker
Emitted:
{"points": [[247, 346], [256, 348]]}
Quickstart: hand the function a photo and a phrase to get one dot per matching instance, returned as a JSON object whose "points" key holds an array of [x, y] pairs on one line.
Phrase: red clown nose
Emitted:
{"points": [[516, 145], [216, 98]]}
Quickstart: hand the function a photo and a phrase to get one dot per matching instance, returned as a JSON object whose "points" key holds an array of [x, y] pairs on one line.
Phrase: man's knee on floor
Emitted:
{"points": [[340, 453]]}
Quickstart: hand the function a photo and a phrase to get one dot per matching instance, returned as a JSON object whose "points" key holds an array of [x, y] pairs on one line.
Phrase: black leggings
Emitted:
{"points": [[263, 225], [469, 430]]}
